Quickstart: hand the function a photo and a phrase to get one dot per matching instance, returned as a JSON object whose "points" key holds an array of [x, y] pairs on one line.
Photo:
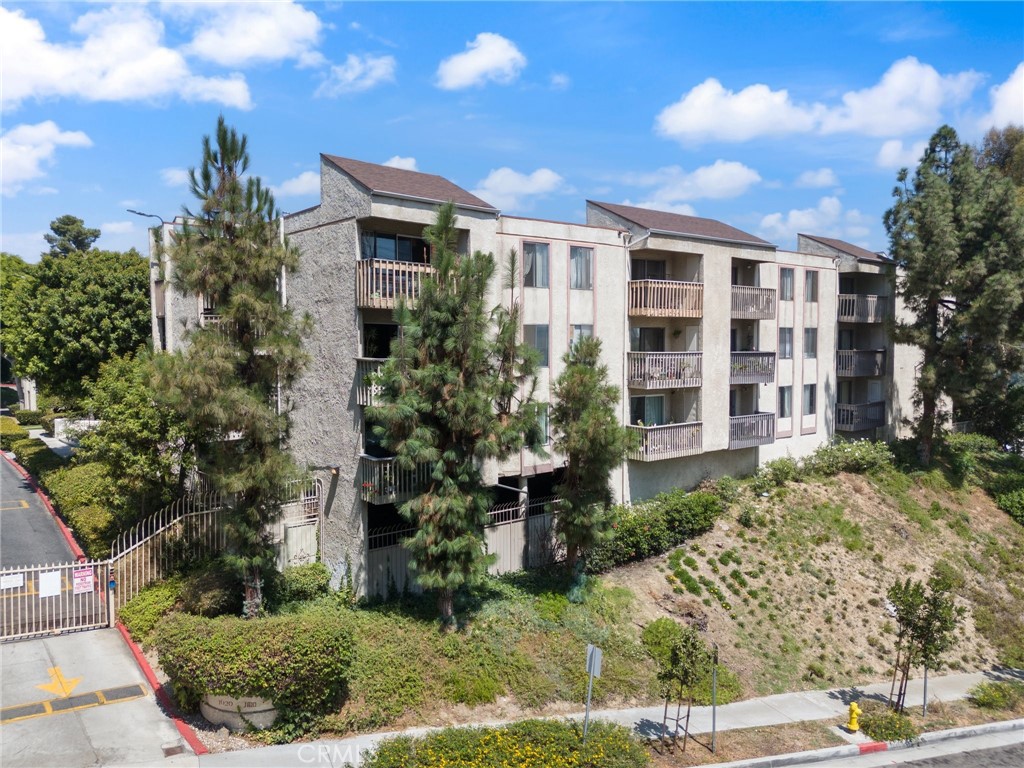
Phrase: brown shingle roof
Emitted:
{"points": [[682, 225], [849, 248], [396, 181]]}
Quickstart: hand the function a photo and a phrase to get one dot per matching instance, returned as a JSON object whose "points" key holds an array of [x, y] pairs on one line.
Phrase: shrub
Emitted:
{"points": [[852, 456], [28, 417], [10, 433], [658, 639], [526, 744], [299, 662], [36, 457], [726, 488], [637, 533], [46, 422], [141, 614], [1012, 504], [212, 590], [80, 485], [997, 695], [885, 724], [306, 582], [689, 514], [94, 529]]}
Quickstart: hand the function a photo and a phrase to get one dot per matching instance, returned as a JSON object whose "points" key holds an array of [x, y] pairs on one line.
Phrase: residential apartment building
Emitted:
{"points": [[728, 351]]}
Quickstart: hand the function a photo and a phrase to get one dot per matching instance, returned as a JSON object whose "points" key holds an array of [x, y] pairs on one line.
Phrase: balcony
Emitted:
{"points": [[861, 308], [366, 390], [751, 303], [860, 362], [382, 482], [667, 442], [852, 417], [664, 370], [665, 298], [381, 283], [751, 367], [751, 430]]}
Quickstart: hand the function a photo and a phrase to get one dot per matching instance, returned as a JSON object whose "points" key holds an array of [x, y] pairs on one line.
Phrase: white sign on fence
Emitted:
{"points": [[12, 581], [49, 584], [83, 580]]}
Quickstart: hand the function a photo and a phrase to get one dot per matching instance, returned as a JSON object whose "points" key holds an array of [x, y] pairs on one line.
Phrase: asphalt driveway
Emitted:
{"points": [[28, 533]]}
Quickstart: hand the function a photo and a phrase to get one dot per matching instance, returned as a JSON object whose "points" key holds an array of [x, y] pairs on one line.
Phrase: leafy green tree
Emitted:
{"points": [[927, 618], [70, 235], [957, 234], [457, 391], [224, 385], [14, 271], [588, 433], [1003, 150], [68, 314]]}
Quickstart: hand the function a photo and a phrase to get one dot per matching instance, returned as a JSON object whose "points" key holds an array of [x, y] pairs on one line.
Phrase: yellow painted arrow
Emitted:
{"points": [[59, 685]]}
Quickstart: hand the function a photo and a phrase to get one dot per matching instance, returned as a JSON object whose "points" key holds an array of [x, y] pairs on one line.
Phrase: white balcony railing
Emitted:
{"points": [[862, 308], [855, 417], [667, 442], [366, 390], [665, 298], [380, 283], [751, 367], [381, 481], [860, 362], [664, 370], [752, 429], [752, 303]]}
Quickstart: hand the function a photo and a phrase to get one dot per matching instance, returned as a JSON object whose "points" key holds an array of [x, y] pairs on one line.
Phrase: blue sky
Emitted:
{"points": [[772, 117]]}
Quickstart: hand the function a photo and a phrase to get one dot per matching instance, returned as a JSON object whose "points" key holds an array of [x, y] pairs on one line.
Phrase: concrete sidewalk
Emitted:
{"points": [[646, 721], [62, 449]]}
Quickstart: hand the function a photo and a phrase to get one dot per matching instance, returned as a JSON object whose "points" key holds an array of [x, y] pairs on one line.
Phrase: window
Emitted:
{"points": [[537, 337], [646, 339], [580, 332], [810, 397], [377, 245], [647, 411], [811, 286], [535, 265], [581, 268], [786, 284], [785, 402], [785, 343], [647, 269], [542, 422], [810, 343], [377, 339]]}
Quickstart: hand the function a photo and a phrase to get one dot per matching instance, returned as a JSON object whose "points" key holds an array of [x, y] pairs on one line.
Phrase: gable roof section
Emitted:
{"points": [[385, 180], [677, 224], [848, 248]]}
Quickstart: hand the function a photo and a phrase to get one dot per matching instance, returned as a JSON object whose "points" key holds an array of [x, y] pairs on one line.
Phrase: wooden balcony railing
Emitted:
{"points": [[860, 362], [854, 417], [667, 442], [750, 303], [664, 370], [380, 481], [862, 308], [751, 367], [366, 390], [665, 298], [380, 283], [752, 429]]}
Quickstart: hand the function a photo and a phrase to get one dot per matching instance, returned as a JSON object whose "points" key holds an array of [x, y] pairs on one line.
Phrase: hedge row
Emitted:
{"points": [[37, 458], [10, 433], [81, 493], [656, 526], [26, 417]]}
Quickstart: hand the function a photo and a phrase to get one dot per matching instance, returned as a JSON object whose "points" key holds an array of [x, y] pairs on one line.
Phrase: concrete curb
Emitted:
{"points": [[852, 750], [76, 550]]}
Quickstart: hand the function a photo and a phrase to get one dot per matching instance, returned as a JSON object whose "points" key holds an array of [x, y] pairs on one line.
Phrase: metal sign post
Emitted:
{"points": [[714, 694], [594, 656]]}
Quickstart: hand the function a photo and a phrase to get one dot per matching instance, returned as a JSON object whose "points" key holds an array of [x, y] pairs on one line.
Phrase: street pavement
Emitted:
{"points": [[28, 533]]}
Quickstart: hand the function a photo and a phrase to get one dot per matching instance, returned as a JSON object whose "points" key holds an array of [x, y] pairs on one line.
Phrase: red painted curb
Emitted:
{"points": [[68, 536], [183, 728], [873, 746]]}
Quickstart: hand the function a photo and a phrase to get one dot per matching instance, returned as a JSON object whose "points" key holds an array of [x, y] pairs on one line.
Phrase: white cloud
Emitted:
{"points": [[823, 177], [28, 245], [306, 183], [117, 227], [44, 190], [174, 177], [908, 97], [488, 57], [358, 74], [1007, 102], [827, 219], [560, 81], [405, 163], [507, 189], [26, 149], [121, 58], [240, 34], [673, 185], [894, 155]]}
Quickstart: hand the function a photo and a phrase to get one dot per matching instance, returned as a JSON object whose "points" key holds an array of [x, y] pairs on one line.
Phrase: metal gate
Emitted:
{"points": [[48, 599]]}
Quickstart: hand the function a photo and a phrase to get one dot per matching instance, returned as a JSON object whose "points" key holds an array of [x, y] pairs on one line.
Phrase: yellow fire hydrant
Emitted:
{"points": [[855, 711]]}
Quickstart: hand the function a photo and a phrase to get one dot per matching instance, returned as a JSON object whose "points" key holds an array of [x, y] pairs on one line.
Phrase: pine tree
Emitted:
{"points": [[226, 383], [588, 433], [70, 235], [456, 391], [957, 233]]}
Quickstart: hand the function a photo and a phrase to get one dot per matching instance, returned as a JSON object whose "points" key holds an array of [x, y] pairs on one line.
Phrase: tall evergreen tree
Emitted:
{"points": [[226, 383], [457, 391], [589, 434], [70, 235], [957, 234]]}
